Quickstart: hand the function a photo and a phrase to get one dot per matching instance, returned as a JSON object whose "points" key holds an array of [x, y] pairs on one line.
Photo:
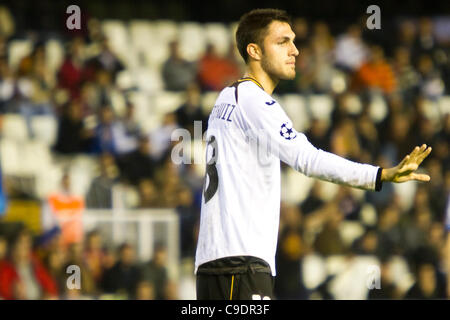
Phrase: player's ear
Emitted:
{"points": [[254, 51]]}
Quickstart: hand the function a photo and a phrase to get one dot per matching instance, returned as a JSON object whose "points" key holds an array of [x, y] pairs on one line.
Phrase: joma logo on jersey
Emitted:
{"points": [[223, 111], [269, 103]]}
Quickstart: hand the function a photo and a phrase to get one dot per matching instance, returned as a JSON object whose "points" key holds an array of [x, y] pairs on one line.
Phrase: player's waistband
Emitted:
{"points": [[234, 265]]}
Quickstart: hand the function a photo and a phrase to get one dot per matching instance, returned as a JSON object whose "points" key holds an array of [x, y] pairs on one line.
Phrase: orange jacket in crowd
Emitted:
{"points": [[376, 75], [68, 210]]}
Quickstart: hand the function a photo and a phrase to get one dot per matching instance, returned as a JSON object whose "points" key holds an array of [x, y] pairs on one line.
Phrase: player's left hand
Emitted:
{"points": [[405, 170]]}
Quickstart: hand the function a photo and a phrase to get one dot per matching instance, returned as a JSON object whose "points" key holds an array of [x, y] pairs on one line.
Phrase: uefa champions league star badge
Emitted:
{"points": [[287, 132]]}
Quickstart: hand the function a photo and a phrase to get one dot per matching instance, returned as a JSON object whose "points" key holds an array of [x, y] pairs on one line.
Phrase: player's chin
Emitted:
{"points": [[290, 75]]}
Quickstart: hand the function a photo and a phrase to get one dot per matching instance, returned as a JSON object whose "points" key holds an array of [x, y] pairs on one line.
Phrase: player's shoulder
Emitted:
{"points": [[249, 91]]}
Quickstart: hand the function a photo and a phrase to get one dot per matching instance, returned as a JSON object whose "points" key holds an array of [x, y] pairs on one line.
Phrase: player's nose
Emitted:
{"points": [[294, 50]]}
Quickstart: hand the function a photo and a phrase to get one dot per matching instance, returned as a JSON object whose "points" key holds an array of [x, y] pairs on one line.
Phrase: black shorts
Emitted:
{"points": [[235, 278]]}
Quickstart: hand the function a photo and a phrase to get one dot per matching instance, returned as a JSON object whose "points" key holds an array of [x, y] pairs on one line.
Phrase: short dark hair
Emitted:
{"points": [[253, 26]]}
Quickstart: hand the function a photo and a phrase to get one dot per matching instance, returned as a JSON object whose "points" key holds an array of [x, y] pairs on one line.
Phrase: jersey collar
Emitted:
{"points": [[252, 80]]}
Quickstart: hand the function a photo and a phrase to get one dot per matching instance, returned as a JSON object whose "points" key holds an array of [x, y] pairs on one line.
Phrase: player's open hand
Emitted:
{"points": [[405, 170]]}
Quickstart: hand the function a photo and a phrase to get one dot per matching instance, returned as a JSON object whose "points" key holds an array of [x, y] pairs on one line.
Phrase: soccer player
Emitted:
{"points": [[235, 256]]}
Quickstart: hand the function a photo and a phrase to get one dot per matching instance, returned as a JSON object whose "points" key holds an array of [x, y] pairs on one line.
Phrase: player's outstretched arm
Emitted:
{"points": [[405, 170]]}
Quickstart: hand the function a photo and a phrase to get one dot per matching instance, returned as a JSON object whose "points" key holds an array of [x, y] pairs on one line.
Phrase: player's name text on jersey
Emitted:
{"points": [[222, 111]]}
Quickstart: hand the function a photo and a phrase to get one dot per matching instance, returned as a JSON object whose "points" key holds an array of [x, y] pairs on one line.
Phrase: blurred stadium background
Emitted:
{"points": [[86, 118]]}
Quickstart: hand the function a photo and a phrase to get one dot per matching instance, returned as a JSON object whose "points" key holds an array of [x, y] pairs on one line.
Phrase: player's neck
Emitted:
{"points": [[268, 83]]}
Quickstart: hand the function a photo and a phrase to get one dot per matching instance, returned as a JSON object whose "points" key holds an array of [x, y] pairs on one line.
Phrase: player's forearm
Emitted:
{"points": [[333, 168]]}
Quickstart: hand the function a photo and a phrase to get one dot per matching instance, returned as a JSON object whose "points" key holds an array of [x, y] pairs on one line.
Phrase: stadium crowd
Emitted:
{"points": [[408, 70]]}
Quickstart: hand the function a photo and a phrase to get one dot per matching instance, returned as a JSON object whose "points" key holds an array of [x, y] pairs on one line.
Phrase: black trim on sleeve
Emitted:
{"points": [[378, 182]]}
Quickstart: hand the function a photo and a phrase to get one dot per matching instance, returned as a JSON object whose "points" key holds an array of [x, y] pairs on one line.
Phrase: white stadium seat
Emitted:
{"points": [[444, 105], [320, 106], [45, 128], [14, 127], [9, 157], [295, 107], [18, 49], [167, 101], [192, 40], [314, 271], [54, 50], [219, 35], [208, 100]]}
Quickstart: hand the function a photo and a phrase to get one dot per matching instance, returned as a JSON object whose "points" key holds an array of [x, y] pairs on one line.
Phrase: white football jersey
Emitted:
{"points": [[248, 134]]}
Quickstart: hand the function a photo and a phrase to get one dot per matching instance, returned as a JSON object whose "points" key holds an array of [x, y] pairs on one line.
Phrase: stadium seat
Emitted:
{"points": [[290, 182], [350, 231], [444, 105], [314, 271], [35, 158], [208, 100], [167, 101], [14, 127], [378, 108], [45, 129], [192, 40], [401, 274], [405, 193], [219, 35], [9, 157], [141, 34], [117, 34], [148, 80], [320, 106], [125, 79], [353, 277], [17, 50], [295, 107], [55, 54], [118, 102]]}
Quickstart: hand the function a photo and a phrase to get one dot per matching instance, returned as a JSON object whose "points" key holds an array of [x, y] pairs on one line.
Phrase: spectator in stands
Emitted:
{"points": [[407, 77], [54, 262], [189, 216], [24, 276], [291, 248], [33, 87], [111, 134], [430, 83], [301, 29], [124, 276], [376, 73], [148, 194], [160, 138], [328, 241], [88, 286], [191, 110], [155, 272], [72, 135], [70, 74], [65, 209], [145, 291], [177, 72], [426, 42], [104, 139], [139, 164], [7, 85], [216, 72], [428, 286], [322, 44], [387, 290], [389, 231], [106, 59], [350, 52], [99, 194], [94, 255]]}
